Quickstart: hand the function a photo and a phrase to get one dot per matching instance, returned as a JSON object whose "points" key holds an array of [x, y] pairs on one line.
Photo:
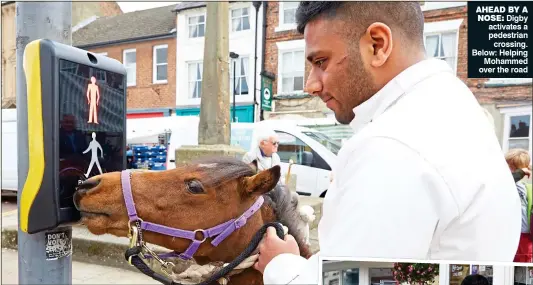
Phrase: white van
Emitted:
{"points": [[9, 150], [312, 152]]}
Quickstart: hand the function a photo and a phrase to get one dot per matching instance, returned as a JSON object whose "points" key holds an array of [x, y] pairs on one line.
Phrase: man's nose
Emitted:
{"points": [[313, 86]]}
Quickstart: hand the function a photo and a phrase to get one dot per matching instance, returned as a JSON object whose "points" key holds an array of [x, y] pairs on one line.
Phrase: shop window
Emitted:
{"points": [[381, 276], [523, 275], [458, 272], [484, 270]]}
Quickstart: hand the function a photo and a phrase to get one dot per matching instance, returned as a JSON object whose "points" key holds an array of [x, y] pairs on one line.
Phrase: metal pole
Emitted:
{"points": [[37, 20], [256, 4], [234, 87]]}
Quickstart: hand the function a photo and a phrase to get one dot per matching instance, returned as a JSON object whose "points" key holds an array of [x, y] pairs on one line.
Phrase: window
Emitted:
{"points": [[523, 275], [160, 64], [197, 26], [381, 276], [484, 270], [442, 46], [458, 272], [517, 128], [195, 79], [130, 62], [240, 19], [331, 278], [291, 147], [350, 277], [324, 140], [287, 13], [440, 40], [341, 277], [241, 80], [292, 71]]}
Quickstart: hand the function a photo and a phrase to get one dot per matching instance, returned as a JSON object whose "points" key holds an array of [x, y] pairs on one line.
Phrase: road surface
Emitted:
{"points": [[9, 204], [82, 273]]}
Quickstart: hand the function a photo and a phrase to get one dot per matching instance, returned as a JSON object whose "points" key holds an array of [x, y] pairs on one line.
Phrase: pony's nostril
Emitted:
{"points": [[87, 185]]}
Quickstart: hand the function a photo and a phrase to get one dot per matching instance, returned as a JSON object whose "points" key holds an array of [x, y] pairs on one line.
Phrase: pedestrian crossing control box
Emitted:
{"points": [[76, 112]]}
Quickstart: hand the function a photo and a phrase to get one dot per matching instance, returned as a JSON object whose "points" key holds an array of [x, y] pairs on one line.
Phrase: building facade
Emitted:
{"points": [[380, 273], [508, 101], [81, 11], [145, 42], [191, 27]]}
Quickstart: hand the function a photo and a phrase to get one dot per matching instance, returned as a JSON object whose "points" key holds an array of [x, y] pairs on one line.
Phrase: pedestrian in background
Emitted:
{"points": [[519, 164], [265, 151]]}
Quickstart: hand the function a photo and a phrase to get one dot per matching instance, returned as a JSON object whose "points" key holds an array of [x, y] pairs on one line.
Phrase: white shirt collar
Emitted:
{"points": [[380, 101]]}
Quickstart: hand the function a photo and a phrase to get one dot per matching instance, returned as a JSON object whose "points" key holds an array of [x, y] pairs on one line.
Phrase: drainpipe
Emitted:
{"points": [[265, 8]]}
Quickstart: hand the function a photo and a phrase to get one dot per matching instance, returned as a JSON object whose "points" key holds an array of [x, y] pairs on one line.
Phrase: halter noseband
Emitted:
{"points": [[219, 232]]}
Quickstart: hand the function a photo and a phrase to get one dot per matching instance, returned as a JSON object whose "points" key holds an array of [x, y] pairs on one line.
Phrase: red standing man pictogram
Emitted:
{"points": [[93, 99]]}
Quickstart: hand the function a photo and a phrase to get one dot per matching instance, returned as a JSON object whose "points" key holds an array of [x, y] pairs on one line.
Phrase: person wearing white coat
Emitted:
{"points": [[423, 176], [265, 151]]}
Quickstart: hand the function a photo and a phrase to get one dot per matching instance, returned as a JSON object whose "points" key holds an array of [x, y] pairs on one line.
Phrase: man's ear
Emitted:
{"points": [[262, 182]]}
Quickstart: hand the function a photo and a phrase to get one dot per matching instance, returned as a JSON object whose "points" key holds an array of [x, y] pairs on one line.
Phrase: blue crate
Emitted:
{"points": [[158, 166], [140, 148]]}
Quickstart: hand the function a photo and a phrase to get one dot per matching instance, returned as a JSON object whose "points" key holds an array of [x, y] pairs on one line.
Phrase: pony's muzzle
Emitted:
{"points": [[82, 189]]}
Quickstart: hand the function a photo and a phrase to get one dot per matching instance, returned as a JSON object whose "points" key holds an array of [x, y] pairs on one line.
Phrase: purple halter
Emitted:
{"points": [[220, 232]]}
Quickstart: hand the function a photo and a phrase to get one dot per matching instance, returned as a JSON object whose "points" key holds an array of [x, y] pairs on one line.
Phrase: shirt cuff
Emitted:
{"points": [[283, 269]]}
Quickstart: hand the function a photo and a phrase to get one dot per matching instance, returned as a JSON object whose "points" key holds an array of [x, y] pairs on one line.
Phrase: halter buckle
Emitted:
{"points": [[204, 235]]}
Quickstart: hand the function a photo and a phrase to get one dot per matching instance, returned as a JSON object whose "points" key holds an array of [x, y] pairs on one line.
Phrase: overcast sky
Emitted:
{"points": [[134, 6]]}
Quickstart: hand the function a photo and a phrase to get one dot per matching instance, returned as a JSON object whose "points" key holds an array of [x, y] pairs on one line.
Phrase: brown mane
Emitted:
{"points": [[281, 200]]}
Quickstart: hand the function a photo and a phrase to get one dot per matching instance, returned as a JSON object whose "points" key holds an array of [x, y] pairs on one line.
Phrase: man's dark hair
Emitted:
{"points": [[403, 17], [475, 279]]}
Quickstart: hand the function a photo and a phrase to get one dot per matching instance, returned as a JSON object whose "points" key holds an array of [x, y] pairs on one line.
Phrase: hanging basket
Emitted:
{"points": [[415, 273]]}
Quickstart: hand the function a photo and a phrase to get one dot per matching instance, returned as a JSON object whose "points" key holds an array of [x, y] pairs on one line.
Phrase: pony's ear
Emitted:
{"points": [[253, 165], [263, 182]]}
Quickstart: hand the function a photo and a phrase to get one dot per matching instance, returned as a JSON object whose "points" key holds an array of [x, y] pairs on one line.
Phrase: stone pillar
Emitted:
{"points": [[214, 127], [214, 107]]}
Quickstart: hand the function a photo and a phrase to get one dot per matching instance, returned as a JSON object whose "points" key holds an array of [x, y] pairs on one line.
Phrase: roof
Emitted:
{"points": [[143, 24], [191, 5], [188, 5]]}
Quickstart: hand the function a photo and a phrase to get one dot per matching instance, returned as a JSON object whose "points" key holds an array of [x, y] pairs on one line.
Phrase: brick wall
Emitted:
{"points": [[483, 93], [80, 11], [85, 10], [147, 94], [109, 8]]}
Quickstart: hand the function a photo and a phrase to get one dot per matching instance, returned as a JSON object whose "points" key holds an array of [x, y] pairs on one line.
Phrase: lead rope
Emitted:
{"points": [[196, 273], [135, 252]]}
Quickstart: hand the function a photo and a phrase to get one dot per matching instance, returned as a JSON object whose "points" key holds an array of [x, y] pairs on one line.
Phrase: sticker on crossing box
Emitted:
{"points": [[58, 244]]}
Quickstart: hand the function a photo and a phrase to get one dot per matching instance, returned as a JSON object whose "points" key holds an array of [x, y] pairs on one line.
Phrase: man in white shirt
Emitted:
{"points": [[424, 176]]}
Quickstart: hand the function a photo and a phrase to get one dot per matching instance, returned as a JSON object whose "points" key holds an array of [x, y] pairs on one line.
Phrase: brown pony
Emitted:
{"points": [[194, 196]]}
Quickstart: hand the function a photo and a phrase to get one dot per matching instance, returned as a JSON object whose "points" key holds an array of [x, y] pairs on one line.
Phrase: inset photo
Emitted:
{"points": [[344, 272]]}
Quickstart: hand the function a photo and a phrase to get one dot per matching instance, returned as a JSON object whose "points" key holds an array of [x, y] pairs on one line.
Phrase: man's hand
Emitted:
{"points": [[272, 246]]}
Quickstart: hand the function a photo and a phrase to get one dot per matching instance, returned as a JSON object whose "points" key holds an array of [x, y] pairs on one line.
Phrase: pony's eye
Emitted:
{"points": [[195, 187]]}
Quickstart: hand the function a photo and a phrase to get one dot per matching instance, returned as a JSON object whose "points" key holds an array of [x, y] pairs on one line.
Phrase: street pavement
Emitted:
{"points": [[82, 273], [9, 204]]}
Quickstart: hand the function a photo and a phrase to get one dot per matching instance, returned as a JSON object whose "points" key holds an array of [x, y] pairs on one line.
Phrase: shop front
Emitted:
{"points": [[147, 113], [243, 113], [454, 274], [381, 273], [357, 273]]}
